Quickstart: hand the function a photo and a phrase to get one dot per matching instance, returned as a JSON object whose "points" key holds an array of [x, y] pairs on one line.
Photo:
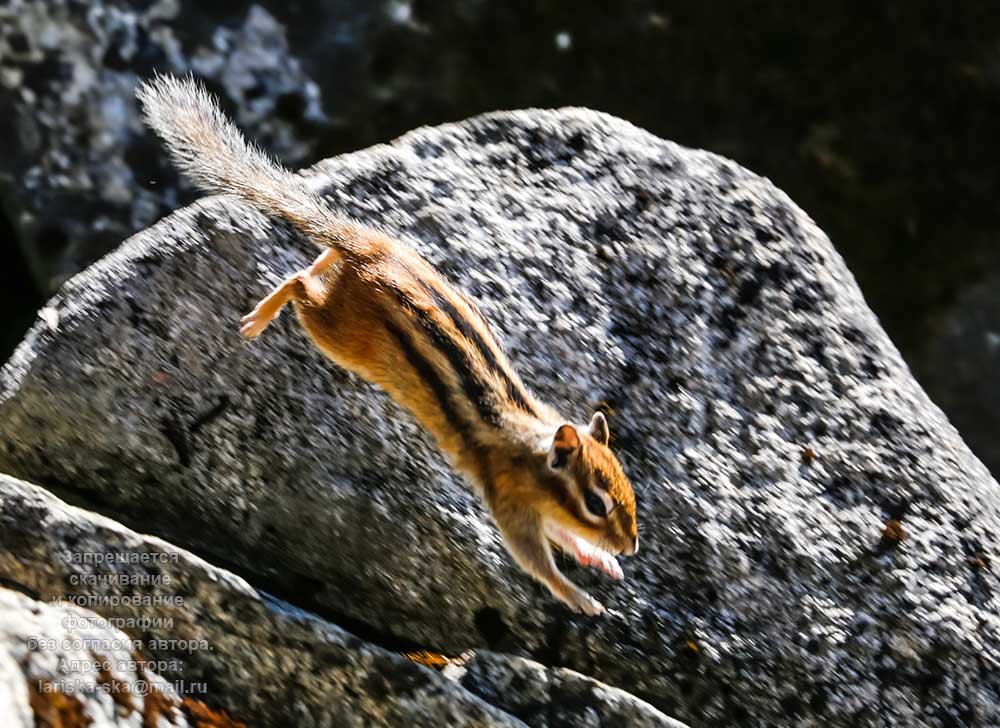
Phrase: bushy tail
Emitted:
{"points": [[210, 150]]}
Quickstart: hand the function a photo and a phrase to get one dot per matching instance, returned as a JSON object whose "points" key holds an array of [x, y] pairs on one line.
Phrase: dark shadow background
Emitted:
{"points": [[879, 119]]}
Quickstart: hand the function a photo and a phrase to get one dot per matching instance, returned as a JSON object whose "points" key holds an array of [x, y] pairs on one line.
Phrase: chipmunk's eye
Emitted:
{"points": [[595, 504]]}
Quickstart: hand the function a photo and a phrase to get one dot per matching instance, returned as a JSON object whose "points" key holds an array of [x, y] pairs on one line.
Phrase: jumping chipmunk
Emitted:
{"points": [[375, 307]]}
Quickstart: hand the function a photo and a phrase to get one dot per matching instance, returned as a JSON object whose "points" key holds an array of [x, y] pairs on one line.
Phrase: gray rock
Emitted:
{"points": [[81, 175], [63, 666], [216, 638], [219, 640], [816, 538], [547, 697]]}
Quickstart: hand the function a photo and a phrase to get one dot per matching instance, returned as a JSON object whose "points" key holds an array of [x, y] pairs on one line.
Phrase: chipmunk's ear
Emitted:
{"points": [[564, 445], [599, 428]]}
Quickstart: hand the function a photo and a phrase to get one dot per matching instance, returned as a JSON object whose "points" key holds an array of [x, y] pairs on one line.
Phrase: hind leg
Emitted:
{"points": [[306, 286]]}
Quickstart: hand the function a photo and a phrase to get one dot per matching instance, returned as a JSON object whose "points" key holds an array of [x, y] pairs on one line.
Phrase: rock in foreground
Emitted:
{"points": [[63, 667], [816, 538], [215, 638], [546, 697]]}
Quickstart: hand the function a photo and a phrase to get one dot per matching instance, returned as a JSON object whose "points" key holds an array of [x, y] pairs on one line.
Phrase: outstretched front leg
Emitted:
{"points": [[306, 285], [525, 539]]}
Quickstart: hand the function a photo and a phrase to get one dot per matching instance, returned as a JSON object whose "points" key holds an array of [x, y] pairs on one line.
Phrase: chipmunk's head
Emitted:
{"points": [[597, 502]]}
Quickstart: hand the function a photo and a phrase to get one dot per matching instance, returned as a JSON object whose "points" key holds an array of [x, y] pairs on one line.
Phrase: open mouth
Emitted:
{"points": [[586, 553]]}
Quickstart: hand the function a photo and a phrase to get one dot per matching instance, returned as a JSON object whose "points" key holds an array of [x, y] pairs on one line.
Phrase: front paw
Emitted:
{"points": [[581, 601], [597, 558], [602, 561]]}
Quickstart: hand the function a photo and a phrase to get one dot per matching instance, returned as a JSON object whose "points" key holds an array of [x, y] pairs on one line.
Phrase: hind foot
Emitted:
{"points": [[306, 286], [254, 323]]}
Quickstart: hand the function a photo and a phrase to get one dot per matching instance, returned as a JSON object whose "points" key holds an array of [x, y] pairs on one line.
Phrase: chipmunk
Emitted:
{"points": [[373, 306]]}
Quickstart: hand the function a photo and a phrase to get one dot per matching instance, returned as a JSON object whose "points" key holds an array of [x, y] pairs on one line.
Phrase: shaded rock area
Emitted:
{"points": [[80, 174], [213, 635], [546, 697], [817, 540]]}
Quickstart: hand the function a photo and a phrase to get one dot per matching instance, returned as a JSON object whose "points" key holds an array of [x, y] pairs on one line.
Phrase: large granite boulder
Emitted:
{"points": [[816, 538]]}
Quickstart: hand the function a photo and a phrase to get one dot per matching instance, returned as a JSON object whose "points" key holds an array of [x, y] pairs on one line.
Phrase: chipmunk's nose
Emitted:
{"points": [[634, 547]]}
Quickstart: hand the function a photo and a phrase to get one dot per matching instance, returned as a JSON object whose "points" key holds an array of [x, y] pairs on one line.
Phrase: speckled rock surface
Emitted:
{"points": [[817, 540], [546, 697], [65, 667], [216, 638], [81, 174]]}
